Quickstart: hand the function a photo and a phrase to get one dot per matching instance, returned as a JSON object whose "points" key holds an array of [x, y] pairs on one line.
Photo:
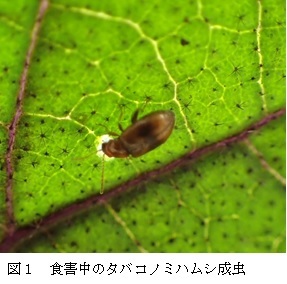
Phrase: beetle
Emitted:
{"points": [[142, 136]]}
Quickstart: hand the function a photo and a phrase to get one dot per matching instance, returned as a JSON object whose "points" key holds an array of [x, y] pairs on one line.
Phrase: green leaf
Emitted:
{"points": [[71, 72]]}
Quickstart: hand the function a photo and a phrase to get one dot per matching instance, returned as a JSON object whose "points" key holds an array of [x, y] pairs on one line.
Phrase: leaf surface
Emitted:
{"points": [[216, 185]]}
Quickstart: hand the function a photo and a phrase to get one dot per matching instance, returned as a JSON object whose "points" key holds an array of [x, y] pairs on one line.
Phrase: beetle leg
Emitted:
{"points": [[113, 133], [120, 118], [135, 116], [121, 128]]}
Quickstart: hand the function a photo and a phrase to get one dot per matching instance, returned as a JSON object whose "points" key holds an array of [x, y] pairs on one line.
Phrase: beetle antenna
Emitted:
{"points": [[87, 156], [103, 175]]}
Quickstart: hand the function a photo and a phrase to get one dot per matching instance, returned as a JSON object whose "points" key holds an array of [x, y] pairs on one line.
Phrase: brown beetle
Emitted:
{"points": [[142, 136]]}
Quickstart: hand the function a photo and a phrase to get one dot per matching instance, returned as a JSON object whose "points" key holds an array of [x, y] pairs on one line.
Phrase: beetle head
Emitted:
{"points": [[114, 148]]}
